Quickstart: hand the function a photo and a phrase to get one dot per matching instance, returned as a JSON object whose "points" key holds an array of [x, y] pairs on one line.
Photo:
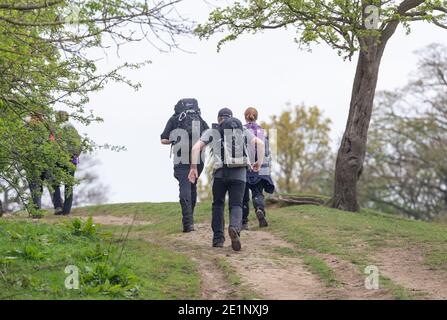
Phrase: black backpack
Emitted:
{"points": [[187, 111], [233, 146]]}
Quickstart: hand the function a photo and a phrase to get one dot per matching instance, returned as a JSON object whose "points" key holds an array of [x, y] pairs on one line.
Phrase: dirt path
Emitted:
{"points": [[118, 220], [406, 268], [268, 274], [351, 281]]}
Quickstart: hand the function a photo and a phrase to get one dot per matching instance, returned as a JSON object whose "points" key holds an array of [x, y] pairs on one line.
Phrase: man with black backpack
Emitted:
{"points": [[181, 132], [228, 140]]}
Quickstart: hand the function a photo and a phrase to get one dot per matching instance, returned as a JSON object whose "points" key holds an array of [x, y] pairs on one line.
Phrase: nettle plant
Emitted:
{"points": [[349, 27], [46, 61]]}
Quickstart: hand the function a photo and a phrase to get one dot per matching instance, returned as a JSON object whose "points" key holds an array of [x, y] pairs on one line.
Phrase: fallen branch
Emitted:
{"points": [[295, 200]]}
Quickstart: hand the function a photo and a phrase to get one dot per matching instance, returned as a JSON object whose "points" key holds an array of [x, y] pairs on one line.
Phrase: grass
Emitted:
{"points": [[356, 237], [34, 255], [319, 267], [165, 217]]}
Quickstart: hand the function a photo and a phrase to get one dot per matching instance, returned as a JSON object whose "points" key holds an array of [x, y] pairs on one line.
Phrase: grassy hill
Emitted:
{"points": [[136, 251]]}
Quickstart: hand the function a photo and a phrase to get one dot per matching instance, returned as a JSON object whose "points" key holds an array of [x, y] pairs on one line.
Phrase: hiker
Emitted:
{"points": [[36, 173], [181, 132], [228, 140], [68, 138], [257, 182]]}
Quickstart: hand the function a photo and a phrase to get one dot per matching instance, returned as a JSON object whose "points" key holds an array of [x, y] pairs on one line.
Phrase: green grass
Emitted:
{"points": [[356, 237], [165, 217], [34, 255], [319, 267]]}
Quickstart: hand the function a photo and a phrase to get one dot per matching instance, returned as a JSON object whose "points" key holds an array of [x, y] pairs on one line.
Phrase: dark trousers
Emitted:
{"points": [[235, 189], [36, 189], [68, 194], [257, 194], [187, 193]]}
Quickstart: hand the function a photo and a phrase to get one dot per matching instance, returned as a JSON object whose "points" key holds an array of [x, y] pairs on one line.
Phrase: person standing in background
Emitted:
{"points": [[68, 138]]}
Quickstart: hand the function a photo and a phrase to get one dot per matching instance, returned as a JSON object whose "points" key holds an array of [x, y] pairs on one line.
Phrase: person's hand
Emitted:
{"points": [[256, 167], [193, 175]]}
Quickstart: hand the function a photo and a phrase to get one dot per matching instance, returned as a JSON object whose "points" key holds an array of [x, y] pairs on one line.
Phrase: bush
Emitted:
{"points": [[108, 279], [88, 229]]}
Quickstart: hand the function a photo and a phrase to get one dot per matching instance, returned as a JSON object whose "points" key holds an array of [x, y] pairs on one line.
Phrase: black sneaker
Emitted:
{"points": [[188, 229], [261, 218], [235, 239], [245, 226]]}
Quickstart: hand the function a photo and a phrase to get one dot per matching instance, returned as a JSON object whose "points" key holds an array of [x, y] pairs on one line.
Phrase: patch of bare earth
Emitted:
{"points": [[268, 274], [351, 281], [118, 220], [214, 283], [406, 268]]}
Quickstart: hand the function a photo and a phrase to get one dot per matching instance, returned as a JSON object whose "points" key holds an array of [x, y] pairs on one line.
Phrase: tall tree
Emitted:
{"points": [[405, 167], [46, 61], [348, 27], [91, 189], [303, 153]]}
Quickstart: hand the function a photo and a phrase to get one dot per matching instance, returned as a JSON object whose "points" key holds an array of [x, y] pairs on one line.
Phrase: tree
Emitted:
{"points": [[347, 27], [405, 168], [10, 198], [46, 61], [91, 189], [303, 151]]}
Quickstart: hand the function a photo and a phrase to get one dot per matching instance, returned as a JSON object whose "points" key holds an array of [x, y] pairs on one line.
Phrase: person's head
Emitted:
{"points": [[251, 115], [62, 116], [224, 114]]}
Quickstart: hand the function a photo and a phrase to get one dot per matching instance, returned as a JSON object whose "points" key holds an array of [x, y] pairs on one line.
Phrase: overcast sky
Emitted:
{"points": [[265, 71]]}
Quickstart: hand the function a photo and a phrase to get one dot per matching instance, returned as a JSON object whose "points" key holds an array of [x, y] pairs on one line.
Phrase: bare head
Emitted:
{"points": [[251, 115]]}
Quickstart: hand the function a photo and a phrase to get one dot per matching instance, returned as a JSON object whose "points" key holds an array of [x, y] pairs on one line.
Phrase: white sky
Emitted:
{"points": [[266, 71]]}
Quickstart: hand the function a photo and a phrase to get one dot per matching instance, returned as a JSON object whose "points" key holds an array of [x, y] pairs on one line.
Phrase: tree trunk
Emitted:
{"points": [[351, 154]]}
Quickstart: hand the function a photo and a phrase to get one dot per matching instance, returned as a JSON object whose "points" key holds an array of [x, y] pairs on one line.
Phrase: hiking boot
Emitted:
{"points": [[58, 211], [218, 245], [245, 226], [261, 218], [235, 239], [187, 229]]}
